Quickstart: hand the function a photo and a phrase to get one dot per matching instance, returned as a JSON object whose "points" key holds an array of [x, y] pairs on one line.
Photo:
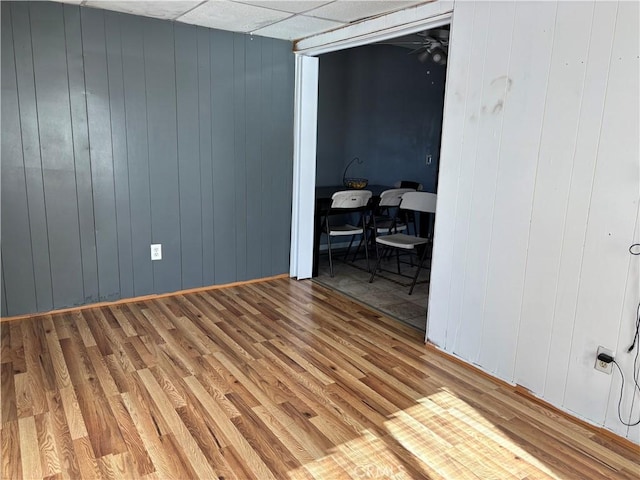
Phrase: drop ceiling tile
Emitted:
{"points": [[237, 17], [297, 27], [298, 6], [350, 11], [163, 9]]}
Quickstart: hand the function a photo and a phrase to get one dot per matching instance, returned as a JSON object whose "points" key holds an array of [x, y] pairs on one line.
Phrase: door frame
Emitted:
{"points": [[305, 119], [379, 29]]}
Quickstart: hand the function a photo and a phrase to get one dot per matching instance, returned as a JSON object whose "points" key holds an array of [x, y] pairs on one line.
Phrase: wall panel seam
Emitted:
{"points": [[24, 167], [73, 150], [86, 107], [200, 152], [593, 177], [263, 44], [113, 166], [146, 110], [566, 211], [126, 144], [213, 196], [457, 196], [535, 182], [472, 191], [44, 190], [175, 86], [495, 190]]}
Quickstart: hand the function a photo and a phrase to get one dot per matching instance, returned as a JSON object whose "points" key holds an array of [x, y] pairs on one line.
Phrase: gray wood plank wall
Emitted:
{"points": [[121, 131]]}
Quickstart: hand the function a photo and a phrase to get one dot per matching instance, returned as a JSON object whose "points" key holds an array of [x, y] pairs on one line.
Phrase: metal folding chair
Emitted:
{"points": [[421, 202], [347, 201]]}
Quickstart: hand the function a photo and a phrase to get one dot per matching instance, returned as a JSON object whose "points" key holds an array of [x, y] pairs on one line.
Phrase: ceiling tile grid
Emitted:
{"points": [[234, 16], [351, 11], [296, 27], [164, 10], [288, 6], [282, 19]]}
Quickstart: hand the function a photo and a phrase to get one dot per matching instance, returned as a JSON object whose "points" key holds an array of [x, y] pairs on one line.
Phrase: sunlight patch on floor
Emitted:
{"points": [[441, 436]]}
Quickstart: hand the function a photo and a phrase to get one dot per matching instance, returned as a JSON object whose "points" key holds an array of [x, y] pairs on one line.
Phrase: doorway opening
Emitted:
{"points": [[382, 103]]}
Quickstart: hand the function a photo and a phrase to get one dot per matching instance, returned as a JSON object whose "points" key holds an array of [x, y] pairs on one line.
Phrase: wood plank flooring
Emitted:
{"points": [[274, 380]]}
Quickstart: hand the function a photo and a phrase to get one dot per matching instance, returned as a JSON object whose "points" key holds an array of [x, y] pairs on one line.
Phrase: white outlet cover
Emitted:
{"points": [[602, 366], [156, 251]]}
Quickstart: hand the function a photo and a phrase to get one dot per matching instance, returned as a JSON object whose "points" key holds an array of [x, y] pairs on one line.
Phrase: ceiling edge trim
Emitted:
{"points": [[404, 22]]}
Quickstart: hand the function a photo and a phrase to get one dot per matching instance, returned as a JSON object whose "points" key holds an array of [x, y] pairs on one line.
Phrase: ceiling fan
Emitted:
{"points": [[428, 45]]}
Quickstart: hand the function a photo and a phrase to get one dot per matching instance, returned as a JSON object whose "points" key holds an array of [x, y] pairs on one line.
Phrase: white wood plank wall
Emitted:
{"points": [[539, 197]]}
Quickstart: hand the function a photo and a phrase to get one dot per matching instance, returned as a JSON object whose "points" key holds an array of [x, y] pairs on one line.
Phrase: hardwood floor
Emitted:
{"points": [[281, 379]]}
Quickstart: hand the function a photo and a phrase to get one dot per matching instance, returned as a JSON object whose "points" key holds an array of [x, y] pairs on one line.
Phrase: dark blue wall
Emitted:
{"points": [[379, 104], [121, 131], [333, 81]]}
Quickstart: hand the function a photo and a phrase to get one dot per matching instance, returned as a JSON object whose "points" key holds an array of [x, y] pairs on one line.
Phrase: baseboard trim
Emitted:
{"points": [[524, 392], [142, 298]]}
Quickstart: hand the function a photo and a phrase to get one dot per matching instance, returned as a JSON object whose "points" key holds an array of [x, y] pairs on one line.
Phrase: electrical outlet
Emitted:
{"points": [[604, 366], [156, 251]]}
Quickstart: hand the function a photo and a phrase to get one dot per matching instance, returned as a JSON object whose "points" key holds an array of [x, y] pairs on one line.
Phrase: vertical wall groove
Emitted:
{"points": [[591, 184], [113, 149], [73, 149], [175, 82], [533, 193], [557, 294], [126, 135], [44, 191], [13, 166], [202, 223], [499, 160], [26, 186], [91, 234]]}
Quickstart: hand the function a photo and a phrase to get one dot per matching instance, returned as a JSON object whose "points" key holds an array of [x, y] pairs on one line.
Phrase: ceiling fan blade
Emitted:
{"points": [[416, 50], [400, 43]]}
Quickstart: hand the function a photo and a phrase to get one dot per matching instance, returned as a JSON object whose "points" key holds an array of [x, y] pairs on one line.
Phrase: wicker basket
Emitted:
{"points": [[355, 183]]}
